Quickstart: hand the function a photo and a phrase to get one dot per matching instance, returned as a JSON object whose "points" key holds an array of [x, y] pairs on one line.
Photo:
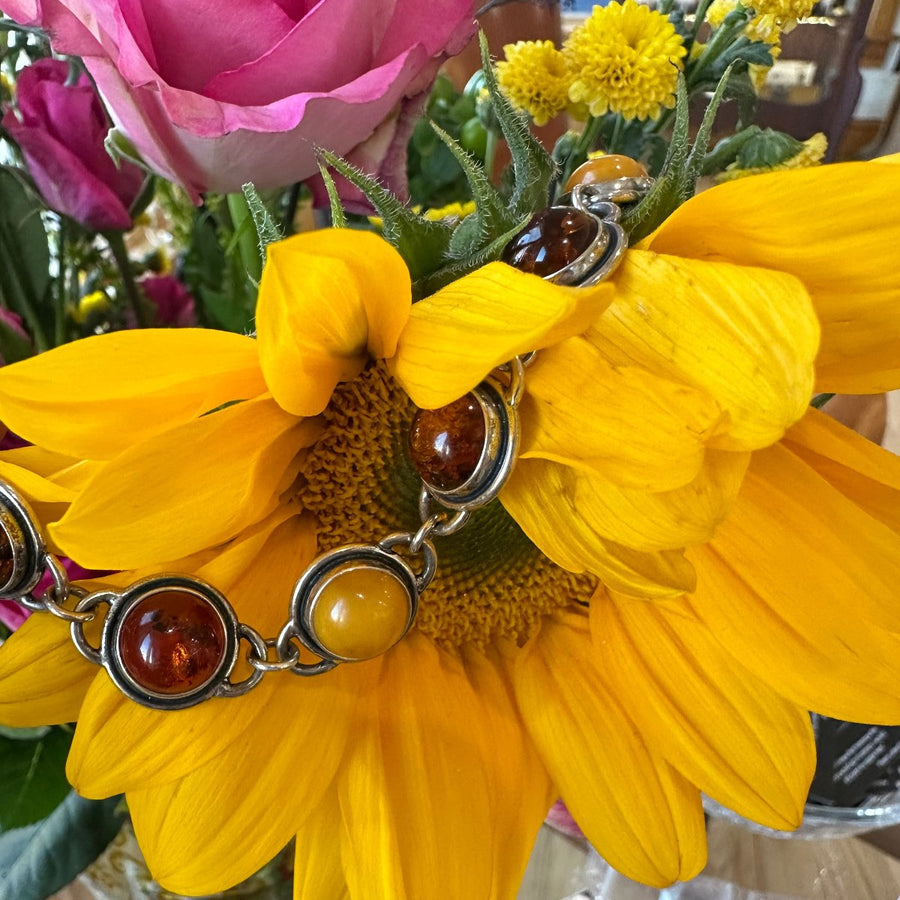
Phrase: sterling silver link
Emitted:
{"points": [[286, 647], [257, 644]]}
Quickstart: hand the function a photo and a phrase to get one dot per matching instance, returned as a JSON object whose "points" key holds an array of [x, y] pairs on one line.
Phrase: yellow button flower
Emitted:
{"points": [[686, 560], [535, 78], [625, 59]]}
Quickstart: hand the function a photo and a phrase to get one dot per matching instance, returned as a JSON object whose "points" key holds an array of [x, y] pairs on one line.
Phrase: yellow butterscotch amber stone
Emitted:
{"points": [[605, 168], [360, 611]]}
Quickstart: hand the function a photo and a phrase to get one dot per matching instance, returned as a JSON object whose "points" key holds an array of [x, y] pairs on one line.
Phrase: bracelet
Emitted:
{"points": [[171, 641]]}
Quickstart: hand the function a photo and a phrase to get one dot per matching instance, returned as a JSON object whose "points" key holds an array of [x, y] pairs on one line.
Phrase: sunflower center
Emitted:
{"points": [[491, 582]]}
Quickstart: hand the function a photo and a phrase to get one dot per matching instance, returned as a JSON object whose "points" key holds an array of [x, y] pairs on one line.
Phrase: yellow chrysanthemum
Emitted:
{"points": [[535, 78], [811, 154], [766, 28], [686, 560], [777, 16], [624, 58]]}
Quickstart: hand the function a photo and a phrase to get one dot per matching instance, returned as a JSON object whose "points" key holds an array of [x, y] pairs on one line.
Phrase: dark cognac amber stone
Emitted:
{"points": [[554, 238], [172, 642], [446, 443], [7, 558]]}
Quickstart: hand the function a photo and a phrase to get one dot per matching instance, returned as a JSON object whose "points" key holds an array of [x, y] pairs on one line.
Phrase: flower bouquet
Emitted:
{"points": [[417, 523]]}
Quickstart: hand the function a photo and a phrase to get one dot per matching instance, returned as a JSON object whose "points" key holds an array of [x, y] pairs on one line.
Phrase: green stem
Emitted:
{"points": [[699, 17], [722, 39], [490, 151], [59, 321], [20, 301], [616, 136], [245, 235], [117, 244], [582, 147]]}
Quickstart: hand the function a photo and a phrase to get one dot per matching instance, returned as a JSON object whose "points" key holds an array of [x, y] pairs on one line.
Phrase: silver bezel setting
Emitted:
{"points": [[121, 606], [17, 523], [320, 572], [498, 455]]}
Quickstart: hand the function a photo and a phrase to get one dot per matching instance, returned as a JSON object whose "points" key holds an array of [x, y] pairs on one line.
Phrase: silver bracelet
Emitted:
{"points": [[172, 641]]}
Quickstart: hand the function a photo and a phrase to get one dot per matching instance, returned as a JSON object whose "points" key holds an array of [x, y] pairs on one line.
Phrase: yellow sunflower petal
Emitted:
{"points": [[642, 817], [628, 425], [34, 488], [522, 775], [328, 300], [121, 746], [458, 335], [417, 775], [194, 832], [542, 497], [189, 488], [95, 397], [727, 732], [801, 543], [43, 678], [837, 670], [318, 873], [666, 520], [38, 460], [859, 469], [746, 336], [844, 250]]}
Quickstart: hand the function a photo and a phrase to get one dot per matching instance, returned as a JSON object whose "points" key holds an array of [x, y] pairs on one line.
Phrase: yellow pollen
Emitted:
{"points": [[491, 581]]}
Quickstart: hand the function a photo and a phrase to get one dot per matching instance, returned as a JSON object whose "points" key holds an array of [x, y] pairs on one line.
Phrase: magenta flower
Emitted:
{"points": [[173, 302], [60, 130], [215, 95]]}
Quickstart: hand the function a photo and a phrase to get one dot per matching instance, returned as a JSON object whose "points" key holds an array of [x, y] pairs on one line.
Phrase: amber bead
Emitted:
{"points": [[554, 238], [605, 168], [446, 443], [171, 642], [360, 611], [7, 558]]}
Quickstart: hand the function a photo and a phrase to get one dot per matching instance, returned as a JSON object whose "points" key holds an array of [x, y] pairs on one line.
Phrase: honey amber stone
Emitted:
{"points": [[554, 238], [360, 611], [605, 168], [7, 558], [172, 642], [446, 443]]}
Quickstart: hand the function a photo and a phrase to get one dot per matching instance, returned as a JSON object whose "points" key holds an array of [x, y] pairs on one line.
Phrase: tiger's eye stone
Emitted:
{"points": [[446, 443], [605, 168], [360, 611], [172, 642], [554, 238], [7, 558]]}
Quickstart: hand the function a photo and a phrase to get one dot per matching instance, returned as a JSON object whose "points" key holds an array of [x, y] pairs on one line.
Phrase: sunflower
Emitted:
{"points": [[687, 558]]}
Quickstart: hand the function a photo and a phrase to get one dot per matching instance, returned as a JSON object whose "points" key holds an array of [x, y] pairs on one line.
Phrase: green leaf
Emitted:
{"points": [[701, 143], [32, 777], [491, 217], [13, 347], [218, 281], [266, 230], [421, 243], [24, 257], [533, 167], [678, 179], [38, 860], [767, 148], [338, 217]]}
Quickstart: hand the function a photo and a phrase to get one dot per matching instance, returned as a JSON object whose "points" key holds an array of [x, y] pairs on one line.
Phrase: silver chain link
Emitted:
{"points": [[282, 653]]}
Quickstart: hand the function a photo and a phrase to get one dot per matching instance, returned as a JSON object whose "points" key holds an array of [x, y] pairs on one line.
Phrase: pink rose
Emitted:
{"points": [[60, 130], [215, 94], [173, 302]]}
